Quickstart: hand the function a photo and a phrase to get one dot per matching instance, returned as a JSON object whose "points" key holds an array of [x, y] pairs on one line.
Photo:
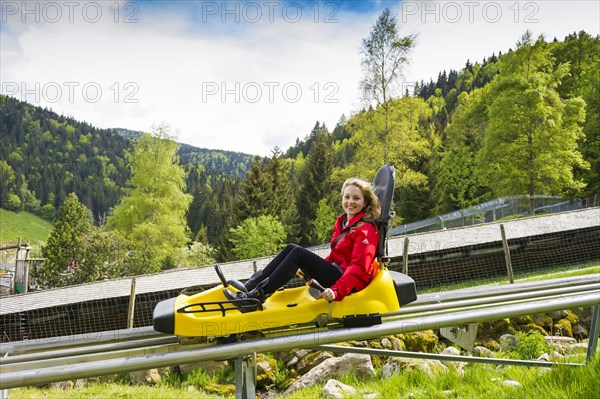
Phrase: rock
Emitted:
{"points": [[508, 342], [145, 377], [422, 341], [312, 360], [564, 327], [580, 331], [386, 343], [560, 339], [396, 365], [543, 320], [336, 390], [576, 348], [558, 314], [210, 367], [511, 383], [483, 352], [458, 366], [265, 370], [360, 365]]}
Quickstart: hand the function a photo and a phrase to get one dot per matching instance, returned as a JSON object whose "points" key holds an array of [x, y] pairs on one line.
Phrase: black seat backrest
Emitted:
{"points": [[383, 185]]}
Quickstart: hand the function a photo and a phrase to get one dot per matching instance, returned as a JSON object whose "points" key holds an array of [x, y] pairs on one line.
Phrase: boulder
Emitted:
{"points": [[397, 365], [483, 352], [312, 360], [145, 377], [266, 368], [421, 341], [334, 389], [360, 365], [210, 367]]}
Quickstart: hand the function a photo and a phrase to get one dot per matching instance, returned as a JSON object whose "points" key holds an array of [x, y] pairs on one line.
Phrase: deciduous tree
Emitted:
{"points": [[152, 214], [530, 144]]}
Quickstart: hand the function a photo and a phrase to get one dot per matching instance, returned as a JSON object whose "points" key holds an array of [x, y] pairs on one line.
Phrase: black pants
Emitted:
{"points": [[293, 257]]}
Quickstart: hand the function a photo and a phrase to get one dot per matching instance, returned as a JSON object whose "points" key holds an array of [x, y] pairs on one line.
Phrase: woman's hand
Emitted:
{"points": [[328, 294]]}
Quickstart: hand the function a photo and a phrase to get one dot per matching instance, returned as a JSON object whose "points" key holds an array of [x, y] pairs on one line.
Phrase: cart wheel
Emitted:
{"points": [[227, 340]]}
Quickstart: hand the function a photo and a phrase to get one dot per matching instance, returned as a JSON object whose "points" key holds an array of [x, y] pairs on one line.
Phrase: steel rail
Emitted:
{"points": [[169, 343], [35, 345], [41, 375], [503, 289], [85, 350], [524, 296], [441, 357]]}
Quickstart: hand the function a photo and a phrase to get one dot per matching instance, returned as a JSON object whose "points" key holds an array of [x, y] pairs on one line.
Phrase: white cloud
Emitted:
{"points": [[159, 68]]}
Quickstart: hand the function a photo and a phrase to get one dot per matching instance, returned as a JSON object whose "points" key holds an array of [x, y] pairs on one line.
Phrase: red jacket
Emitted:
{"points": [[354, 253]]}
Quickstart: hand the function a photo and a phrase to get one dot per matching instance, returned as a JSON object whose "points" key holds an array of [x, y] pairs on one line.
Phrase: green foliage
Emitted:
{"points": [[198, 254], [63, 251], [530, 144], [324, 221], [528, 346], [13, 202], [314, 185], [384, 55], [152, 215], [48, 212], [255, 237]]}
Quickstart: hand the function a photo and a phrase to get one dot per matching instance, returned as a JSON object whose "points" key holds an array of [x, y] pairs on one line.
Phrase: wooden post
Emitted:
{"points": [[405, 256], [509, 269], [131, 311]]}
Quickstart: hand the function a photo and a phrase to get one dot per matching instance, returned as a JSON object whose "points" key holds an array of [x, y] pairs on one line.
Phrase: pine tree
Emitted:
{"points": [[315, 184], [65, 246]]}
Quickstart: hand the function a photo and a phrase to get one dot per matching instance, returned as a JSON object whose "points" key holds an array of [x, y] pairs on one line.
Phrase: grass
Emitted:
{"points": [[480, 381], [24, 225]]}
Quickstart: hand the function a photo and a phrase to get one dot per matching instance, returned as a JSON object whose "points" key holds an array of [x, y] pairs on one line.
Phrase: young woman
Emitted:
{"points": [[349, 266]]}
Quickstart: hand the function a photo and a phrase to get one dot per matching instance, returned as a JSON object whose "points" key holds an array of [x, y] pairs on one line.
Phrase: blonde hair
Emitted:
{"points": [[372, 206]]}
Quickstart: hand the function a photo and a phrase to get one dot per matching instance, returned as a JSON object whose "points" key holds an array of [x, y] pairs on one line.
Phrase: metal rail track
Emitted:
{"points": [[31, 363]]}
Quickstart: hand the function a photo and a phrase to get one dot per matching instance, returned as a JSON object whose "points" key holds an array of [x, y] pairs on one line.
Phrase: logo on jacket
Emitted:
{"points": [[365, 241]]}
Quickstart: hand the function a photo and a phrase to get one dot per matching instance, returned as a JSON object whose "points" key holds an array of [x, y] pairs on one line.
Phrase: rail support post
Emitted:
{"points": [[594, 331], [245, 376]]}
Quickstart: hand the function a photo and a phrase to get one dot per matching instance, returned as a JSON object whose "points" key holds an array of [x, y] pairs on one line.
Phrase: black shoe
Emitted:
{"points": [[251, 301]]}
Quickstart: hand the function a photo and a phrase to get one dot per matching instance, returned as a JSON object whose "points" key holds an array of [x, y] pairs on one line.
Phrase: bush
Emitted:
{"points": [[528, 345]]}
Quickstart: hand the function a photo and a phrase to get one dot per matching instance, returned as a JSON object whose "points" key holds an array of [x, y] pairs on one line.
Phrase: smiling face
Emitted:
{"points": [[353, 201]]}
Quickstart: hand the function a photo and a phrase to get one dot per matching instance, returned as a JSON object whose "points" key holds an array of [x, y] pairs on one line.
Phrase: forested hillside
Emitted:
{"points": [[45, 156], [522, 123]]}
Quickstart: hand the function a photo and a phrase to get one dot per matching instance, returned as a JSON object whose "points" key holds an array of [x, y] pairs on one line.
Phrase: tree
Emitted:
{"points": [[198, 254], [257, 236], [64, 248], [314, 185], [254, 197], [152, 214], [324, 221], [530, 144], [458, 185], [384, 54]]}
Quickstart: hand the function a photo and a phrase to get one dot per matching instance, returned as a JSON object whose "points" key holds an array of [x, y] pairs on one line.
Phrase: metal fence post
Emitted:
{"points": [[594, 331], [405, 256], [509, 269], [131, 310]]}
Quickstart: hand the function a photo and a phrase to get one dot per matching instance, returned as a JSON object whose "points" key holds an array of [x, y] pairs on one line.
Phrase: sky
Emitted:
{"points": [[245, 76]]}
